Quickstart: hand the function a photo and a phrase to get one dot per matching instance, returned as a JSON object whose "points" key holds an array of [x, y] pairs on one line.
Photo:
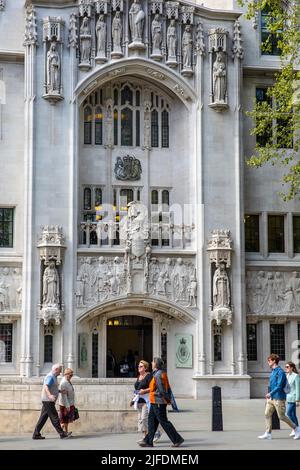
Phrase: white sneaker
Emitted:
{"points": [[157, 436], [292, 433], [140, 441], [297, 433], [267, 435]]}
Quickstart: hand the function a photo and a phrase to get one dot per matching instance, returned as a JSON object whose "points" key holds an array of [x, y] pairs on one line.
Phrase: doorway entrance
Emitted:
{"points": [[129, 339]]}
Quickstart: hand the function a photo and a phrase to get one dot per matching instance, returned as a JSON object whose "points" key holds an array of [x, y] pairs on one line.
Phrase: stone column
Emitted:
{"points": [[157, 318], [29, 308], [239, 323], [102, 346], [200, 346]]}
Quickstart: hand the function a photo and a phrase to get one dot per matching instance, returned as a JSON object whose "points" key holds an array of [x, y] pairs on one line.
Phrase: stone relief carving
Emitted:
{"points": [[128, 168], [101, 39], [30, 37], [117, 36], [269, 292], [156, 31], [73, 34], [136, 21], [237, 50], [85, 44], [10, 289]]}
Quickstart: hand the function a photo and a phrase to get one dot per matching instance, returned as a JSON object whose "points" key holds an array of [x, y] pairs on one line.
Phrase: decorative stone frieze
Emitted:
{"points": [[10, 289], [273, 292], [30, 37], [237, 50]]}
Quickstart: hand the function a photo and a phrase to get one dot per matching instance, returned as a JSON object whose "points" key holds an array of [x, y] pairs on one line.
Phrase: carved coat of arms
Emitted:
{"points": [[128, 168]]}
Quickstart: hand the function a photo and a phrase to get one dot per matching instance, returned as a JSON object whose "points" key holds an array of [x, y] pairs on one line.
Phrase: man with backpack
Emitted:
{"points": [[160, 397], [278, 388]]}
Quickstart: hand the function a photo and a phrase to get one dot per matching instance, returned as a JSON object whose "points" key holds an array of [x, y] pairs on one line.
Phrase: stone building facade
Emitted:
{"points": [[125, 203]]}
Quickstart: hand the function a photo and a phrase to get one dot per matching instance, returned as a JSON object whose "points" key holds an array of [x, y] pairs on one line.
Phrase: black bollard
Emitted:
{"points": [[217, 418]]}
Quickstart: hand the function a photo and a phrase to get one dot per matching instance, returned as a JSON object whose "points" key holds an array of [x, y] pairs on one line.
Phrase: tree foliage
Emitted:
{"points": [[278, 117]]}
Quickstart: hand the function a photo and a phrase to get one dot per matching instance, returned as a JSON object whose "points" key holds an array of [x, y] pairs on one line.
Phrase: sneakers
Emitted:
{"points": [[292, 433], [157, 436], [140, 441], [38, 436], [177, 444], [267, 435], [297, 432], [65, 435], [144, 444]]}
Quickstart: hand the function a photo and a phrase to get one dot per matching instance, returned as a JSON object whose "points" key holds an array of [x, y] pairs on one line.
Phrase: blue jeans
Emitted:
{"points": [[291, 412]]}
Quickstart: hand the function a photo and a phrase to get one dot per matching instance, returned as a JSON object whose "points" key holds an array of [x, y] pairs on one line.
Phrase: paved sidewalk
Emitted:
{"points": [[243, 421]]}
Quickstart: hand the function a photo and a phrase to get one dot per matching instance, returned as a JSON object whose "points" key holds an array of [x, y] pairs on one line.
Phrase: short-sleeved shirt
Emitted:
{"points": [[51, 381]]}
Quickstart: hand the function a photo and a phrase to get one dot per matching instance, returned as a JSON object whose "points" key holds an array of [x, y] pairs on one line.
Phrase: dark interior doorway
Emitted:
{"points": [[129, 339]]}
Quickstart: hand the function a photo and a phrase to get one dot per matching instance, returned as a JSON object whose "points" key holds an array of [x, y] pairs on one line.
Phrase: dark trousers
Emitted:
{"points": [[48, 411], [158, 415]]}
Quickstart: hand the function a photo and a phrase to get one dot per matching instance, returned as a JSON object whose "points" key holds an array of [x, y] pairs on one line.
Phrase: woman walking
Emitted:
{"points": [[293, 397], [66, 400]]}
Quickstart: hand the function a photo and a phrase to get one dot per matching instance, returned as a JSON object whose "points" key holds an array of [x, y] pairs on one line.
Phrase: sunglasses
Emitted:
{"points": [[141, 365]]}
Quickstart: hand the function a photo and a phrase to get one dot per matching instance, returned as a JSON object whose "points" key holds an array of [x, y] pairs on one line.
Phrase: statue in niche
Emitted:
{"points": [[172, 41], [259, 289], [161, 284], [85, 40], [51, 285], [187, 42], [154, 274], [192, 292], [136, 21], [117, 32], [221, 290], [53, 69], [219, 79], [101, 36], [156, 35]]}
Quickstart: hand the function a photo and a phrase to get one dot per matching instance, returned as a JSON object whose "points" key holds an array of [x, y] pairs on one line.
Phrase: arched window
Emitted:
{"points": [[165, 197], [98, 197], [126, 127], [154, 128], [126, 96], [98, 126], [87, 199], [88, 119], [48, 348], [165, 129], [116, 127], [154, 196]]}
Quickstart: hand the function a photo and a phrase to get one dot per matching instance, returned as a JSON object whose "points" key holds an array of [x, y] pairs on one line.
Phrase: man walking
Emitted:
{"points": [[276, 399], [49, 396], [159, 398]]}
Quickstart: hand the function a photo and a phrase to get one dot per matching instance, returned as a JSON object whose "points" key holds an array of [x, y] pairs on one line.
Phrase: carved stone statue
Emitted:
{"points": [[117, 34], [172, 41], [53, 70], [219, 79], [4, 303], [85, 41], [51, 285], [156, 36], [179, 281], [136, 20], [79, 292], [187, 42], [101, 37], [192, 292], [221, 290]]}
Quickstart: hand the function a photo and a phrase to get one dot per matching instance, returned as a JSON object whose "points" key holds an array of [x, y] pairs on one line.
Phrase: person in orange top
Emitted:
{"points": [[159, 399]]}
